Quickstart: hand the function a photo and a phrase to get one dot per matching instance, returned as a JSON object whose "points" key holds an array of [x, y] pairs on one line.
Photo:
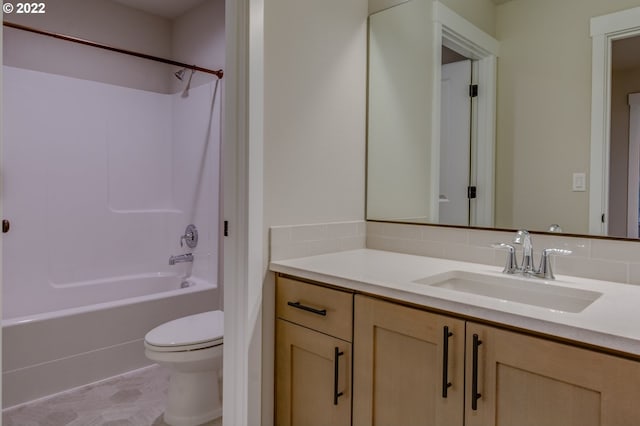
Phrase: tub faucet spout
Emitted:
{"points": [[181, 258]]}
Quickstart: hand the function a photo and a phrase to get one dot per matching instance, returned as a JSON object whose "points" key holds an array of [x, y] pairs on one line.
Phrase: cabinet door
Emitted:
{"points": [[313, 377], [398, 367], [529, 381]]}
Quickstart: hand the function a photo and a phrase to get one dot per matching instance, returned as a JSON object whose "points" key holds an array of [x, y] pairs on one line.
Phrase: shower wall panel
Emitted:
{"points": [[196, 159], [100, 182]]}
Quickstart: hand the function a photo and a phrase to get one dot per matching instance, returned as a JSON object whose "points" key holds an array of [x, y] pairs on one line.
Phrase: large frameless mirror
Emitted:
{"points": [[482, 114]]}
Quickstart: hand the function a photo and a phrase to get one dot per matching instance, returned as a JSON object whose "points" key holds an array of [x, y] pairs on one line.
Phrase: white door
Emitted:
{"points": [[455, 136]]}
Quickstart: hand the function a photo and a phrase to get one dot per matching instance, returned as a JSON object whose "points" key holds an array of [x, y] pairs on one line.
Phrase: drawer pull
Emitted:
{"points": [[446, 384], [336, 371], [474, 374], [297, 305]]}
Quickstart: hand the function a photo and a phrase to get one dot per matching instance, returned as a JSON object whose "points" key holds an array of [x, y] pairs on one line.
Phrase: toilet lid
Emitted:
{"points": [[192, 330]]}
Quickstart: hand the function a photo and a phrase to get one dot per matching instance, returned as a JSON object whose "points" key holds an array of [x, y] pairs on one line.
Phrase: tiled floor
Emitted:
{"points": [[134, 399]]}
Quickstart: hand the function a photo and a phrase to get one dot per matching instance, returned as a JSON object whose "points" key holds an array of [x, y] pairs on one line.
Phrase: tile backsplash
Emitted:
{"points": [[288, 242], [609, 260]]}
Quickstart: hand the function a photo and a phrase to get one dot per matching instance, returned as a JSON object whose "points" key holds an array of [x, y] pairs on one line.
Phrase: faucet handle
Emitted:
{"points": [[511, 267], [545, 270], [190, 237]]}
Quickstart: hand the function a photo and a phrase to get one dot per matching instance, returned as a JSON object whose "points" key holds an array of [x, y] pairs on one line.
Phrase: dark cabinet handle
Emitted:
{"points": [[336, 373], [297, 305], [446, 384], [6, 225], [474, 374]]}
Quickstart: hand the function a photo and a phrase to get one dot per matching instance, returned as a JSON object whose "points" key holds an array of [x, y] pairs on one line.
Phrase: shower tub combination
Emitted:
{"points": [[86, 270], [50, 352]]}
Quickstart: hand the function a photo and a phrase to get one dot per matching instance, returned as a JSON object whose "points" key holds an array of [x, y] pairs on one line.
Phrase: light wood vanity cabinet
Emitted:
{"points": [[414, 367], [399, 366], [517, 379], [313, 354], [530, 381]]}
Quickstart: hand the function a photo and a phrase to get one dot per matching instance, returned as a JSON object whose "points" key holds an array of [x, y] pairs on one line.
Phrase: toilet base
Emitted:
{"points": [[194, 398]]}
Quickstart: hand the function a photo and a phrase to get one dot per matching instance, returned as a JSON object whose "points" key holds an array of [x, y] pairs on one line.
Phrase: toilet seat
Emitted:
{"points": [[189, 333]]}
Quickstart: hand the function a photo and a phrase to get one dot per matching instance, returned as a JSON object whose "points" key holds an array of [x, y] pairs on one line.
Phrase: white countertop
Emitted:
{"points": [[612, 321]]}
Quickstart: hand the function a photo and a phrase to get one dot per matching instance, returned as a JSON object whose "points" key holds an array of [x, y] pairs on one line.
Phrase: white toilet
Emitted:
{"points": [[191, 347]]}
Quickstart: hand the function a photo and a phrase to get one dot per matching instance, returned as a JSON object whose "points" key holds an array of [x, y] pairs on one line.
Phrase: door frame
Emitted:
{"points": [[460, 35], [604, 30]]}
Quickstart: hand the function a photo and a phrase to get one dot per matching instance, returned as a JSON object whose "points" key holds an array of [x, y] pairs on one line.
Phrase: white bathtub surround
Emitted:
{"points": [[609, 322], [288, 242], [53, 352], [120, 211], [600, 259]]}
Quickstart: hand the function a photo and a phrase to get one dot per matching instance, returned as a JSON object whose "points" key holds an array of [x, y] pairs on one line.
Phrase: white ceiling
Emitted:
{"points": [[173, 8], [166, 8]]}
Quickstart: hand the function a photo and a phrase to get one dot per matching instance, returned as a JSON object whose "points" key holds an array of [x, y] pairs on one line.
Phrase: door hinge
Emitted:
{"points": [[225, 231], [473, 90], [471, 192], [602, 218]]}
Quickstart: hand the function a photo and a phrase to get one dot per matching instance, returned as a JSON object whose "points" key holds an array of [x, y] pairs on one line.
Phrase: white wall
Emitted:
{"points": [[314, 135], [544, 110], [102, 21], [399, 149], [315, 73], [198, 37], [480, 13]]}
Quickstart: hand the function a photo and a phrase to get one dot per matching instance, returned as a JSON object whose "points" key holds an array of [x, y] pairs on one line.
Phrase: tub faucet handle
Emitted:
{"points": [[190, 237]]}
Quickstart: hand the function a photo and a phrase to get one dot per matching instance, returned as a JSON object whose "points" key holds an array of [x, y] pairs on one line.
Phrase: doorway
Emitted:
{"points": [[460, 36], [624, 149], [455, 194], [606, 31], [633, 205]]}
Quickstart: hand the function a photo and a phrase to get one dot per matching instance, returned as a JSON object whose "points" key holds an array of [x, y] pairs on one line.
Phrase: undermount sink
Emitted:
{"points": [[515, 289]]}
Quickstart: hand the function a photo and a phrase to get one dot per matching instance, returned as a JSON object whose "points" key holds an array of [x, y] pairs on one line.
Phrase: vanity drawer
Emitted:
{"points": [[319, 308]]}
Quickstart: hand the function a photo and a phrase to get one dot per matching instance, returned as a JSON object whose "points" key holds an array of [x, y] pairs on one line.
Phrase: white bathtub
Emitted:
{"points": [[49, 352]]}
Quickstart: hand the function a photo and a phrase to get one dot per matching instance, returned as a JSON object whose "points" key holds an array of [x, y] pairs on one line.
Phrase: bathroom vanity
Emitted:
{"points": [[371, 337]]}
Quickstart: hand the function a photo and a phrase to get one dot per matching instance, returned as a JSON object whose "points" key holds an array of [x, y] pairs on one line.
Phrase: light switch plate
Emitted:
{"points": [[579, 182]]}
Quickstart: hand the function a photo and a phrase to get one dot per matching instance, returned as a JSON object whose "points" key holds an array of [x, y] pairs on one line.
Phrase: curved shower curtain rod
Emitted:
{"points": [[217, 73]]}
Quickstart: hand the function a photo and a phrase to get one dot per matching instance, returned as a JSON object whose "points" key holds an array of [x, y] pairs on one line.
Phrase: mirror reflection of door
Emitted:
{"points": [[455, 138], [633, 208], [624, 157]]}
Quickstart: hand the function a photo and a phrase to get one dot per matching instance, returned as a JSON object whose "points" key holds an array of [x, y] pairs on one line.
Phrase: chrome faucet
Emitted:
{"points": [[526, 268], [523, 237], [181, 258], [511, 267], [544, 271]]}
